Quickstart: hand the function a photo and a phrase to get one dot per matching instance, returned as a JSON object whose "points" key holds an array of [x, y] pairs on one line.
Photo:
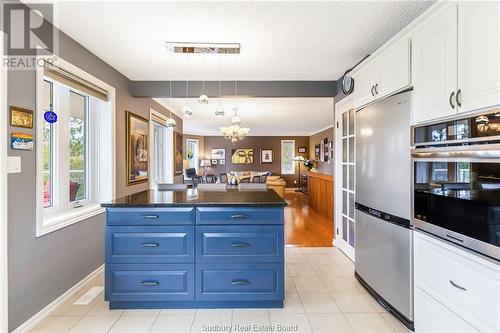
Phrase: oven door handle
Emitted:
{"points": [[483, 152]]}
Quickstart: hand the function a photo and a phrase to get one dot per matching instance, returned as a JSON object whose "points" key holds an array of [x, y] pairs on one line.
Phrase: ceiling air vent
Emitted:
{"points": [[215, 48]]}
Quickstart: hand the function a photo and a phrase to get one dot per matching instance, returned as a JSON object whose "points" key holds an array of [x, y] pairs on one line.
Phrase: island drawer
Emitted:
{"points": [[150, 244], [243, 282], [239, 243], [149, 282], [150, 216], [239, 215]]}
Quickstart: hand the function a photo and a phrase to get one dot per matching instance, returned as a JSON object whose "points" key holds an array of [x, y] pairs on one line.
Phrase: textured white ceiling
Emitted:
{"points": [[264, 116], [282, 40]]}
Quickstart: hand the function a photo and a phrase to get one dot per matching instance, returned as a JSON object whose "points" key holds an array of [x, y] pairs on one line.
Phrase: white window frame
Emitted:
{"points": [[285, 172], [4, 286], [196, 155], [168, 150], [104, 157]]}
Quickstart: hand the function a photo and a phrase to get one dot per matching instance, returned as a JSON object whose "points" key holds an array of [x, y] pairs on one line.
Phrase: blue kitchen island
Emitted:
{"points": [[195, 249]]}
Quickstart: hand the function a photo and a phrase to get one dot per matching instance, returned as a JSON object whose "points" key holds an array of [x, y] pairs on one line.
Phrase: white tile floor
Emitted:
{"points": [[322, 295]]}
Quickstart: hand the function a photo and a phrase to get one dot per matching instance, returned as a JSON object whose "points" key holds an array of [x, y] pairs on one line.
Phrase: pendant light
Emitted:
{"points": [[219, 110], [203, 99], [187, 110], [170, 123]]}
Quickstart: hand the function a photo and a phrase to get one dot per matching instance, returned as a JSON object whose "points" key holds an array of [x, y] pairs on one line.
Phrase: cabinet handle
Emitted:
{"points": [[459, 97], [240, 245], [150, 244], [239, 216], [150, 217], [240, 282], [373, 87], [150, 283], [451, 99], [376, 89], [457, 286]]}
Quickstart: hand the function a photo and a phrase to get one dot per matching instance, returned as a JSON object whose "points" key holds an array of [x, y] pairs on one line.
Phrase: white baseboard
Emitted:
{"points": [[49, 309]]}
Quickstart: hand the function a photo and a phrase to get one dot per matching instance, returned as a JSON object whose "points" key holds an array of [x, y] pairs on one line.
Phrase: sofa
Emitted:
{"points": [[277, 184]]}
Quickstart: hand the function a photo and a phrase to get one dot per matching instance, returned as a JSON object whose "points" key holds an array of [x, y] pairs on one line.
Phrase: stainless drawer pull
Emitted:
{"points": [[150, 217], [150, 244], [150, 283], [240, 245], [239, 216], [240, 282], [457, 286]]}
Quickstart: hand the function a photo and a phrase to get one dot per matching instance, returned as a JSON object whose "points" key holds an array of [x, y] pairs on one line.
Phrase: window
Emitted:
{"points": [[75, 154], [287, 156], [192, 153]]}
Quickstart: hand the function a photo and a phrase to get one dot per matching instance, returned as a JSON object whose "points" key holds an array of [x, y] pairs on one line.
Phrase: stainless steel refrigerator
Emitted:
{"points": [[383, 237]]}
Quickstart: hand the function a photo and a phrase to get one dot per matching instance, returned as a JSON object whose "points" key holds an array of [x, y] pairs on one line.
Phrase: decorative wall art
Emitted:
{"points": [[266, 156], [302, 150], [222, 162], [137, 148], [177, 153], [242, 156], [21, 141], [317, 149], [214, 162], [218, 153], [20, 117]]}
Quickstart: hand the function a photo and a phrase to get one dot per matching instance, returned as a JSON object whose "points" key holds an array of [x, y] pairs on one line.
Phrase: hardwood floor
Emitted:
{"points": [[303, 225]]}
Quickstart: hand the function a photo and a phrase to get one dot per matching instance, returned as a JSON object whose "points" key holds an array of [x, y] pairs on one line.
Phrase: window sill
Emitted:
{"points": [[66, 218]]}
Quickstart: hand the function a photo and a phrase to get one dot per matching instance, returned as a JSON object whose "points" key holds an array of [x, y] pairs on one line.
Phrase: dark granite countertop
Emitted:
{"points": [[196, 198]]}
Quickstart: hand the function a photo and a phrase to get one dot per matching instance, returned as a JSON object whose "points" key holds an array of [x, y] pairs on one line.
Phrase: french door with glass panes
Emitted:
{"points": [[345, 171]]}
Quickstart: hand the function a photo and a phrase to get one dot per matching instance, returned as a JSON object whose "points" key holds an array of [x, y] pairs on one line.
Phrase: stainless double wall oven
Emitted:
{"points": [[456, 181]]}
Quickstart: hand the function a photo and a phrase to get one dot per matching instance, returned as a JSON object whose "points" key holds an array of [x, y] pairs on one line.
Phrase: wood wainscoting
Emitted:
{"points": [[320, 190]]}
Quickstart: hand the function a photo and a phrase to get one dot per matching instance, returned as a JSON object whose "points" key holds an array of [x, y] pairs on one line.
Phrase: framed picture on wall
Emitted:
{"points": [[20, 117], [242, 156], [302, 150], [316, 152], [222, 162], [218, 154], [266, 156], [177, 153], [214, 162], [137, 130]]}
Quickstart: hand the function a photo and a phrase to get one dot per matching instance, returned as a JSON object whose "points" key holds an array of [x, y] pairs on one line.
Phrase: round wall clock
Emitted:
{"points": [[347, 83]]}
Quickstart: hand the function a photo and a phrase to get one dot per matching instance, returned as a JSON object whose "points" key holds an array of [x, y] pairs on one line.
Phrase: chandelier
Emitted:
{"points": [[234, 132]]}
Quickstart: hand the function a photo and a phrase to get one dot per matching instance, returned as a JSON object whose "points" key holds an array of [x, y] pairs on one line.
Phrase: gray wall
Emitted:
{"points": [[323, 167], [41, 269], [256, 143]]}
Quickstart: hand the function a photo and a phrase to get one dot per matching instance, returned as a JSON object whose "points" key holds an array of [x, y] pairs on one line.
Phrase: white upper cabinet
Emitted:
{"points": [[364, 85], [386, 74], [456, 66], [478, 55], [393, 69], [434, 69]]}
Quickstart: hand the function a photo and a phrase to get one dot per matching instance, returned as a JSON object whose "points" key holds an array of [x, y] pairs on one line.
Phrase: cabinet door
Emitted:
{"points": [[364, 81], [434, 69], [478, 54], [431, 316], [393, 69]]}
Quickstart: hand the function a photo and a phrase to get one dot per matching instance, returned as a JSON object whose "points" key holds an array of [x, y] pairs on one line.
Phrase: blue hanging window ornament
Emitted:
{"points": [[50, 116]]}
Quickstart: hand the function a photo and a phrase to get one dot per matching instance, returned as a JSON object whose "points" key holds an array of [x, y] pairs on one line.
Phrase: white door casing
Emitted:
{"points": [[345, 174]]}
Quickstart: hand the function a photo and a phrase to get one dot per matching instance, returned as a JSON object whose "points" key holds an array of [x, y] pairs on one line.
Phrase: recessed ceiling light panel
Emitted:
{"points": [[211, 48]]}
